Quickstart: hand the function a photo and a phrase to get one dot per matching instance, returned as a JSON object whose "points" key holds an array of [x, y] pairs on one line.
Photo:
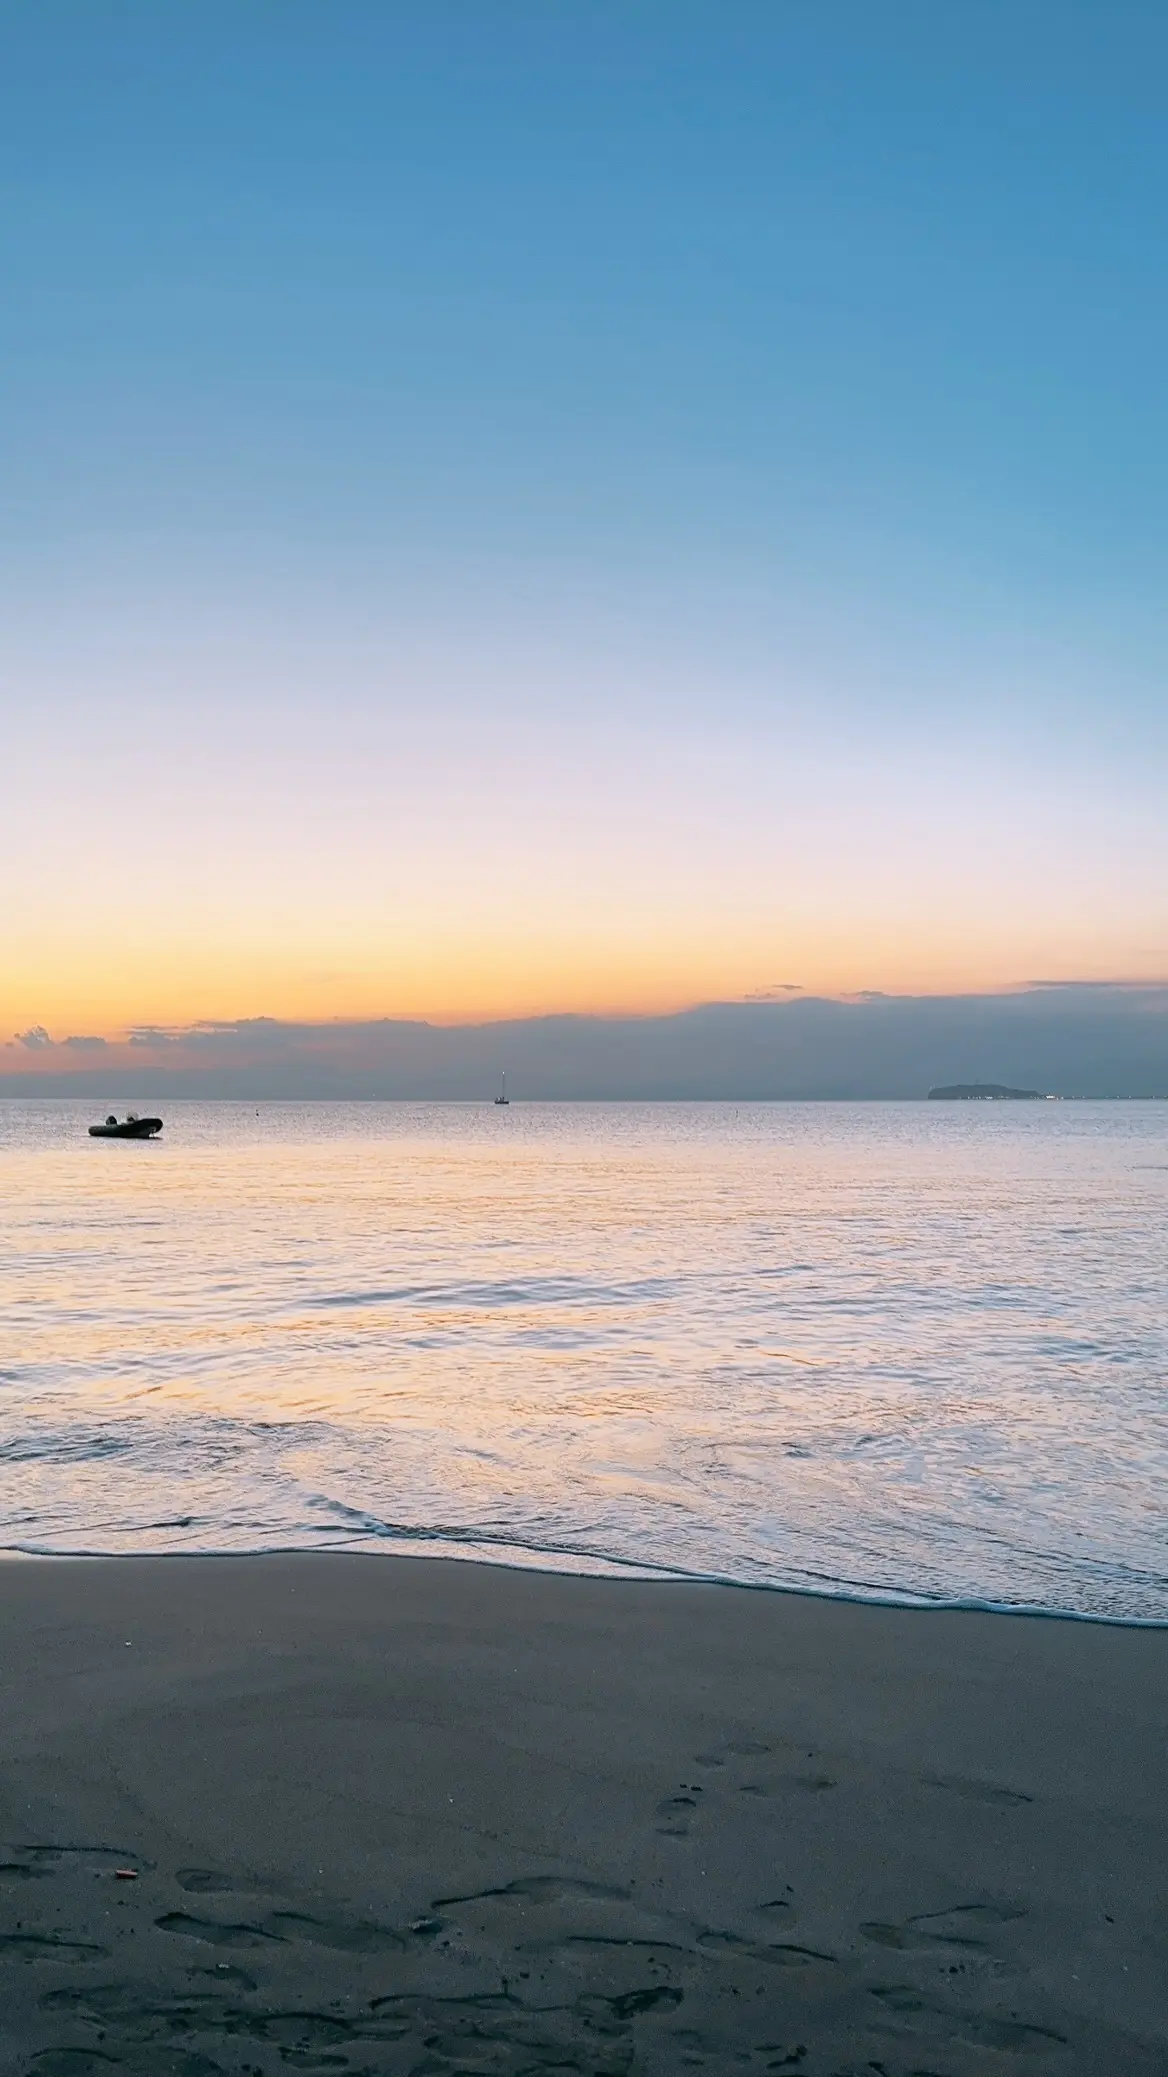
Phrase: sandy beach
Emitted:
{"points": [[398, 1816]]}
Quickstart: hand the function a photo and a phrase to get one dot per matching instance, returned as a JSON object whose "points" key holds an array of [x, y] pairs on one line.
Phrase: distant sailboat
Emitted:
{"points": [[503, 1097]]}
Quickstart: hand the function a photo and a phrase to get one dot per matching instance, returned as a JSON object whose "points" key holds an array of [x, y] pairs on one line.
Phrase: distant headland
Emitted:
{"points": [[984, 1092]]}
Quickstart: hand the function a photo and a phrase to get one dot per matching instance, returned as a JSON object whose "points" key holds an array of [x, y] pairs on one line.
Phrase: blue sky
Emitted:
{"points": [[708, 431]]}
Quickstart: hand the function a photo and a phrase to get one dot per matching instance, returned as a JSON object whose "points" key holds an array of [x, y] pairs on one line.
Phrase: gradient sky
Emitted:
{"points": [[583, 504]]}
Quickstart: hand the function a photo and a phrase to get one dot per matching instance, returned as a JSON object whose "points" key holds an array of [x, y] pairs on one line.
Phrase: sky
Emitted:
{"points": [[577, 506]]}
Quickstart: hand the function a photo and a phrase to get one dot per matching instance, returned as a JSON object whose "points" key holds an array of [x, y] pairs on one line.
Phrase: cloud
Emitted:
{"points": [[213, 1031], [35, 1039], [774, 992], [1089, 1042], [85, 1044], [1118, 986]]}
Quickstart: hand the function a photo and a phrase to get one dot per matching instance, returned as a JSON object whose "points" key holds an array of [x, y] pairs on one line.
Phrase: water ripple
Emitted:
{"points": [[891, 1351]]}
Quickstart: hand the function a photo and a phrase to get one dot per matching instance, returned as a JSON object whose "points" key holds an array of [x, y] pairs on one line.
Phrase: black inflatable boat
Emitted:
{"points": [[131, 1127]]}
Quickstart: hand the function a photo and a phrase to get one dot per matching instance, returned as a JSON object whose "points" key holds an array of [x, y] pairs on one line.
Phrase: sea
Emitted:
{"points": [[905, 1352]]}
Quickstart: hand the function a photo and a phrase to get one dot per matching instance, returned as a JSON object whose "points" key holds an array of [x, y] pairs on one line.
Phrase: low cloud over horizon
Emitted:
{"points": [[1068, 1038]]}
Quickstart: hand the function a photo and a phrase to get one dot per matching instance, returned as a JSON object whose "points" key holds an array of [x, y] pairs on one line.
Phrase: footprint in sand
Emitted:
{"points": [[225, 1976], [91, 2062], [72, 2062], [346, 1936], [778, 1954], [993, 1793], [674, 1814], [47, 1947], [733, 1749], [540, 1889], [25, 1862], [811, 1780], [215, 1932], [981, 2029], [207, 1882], [959, 1926], [952, 1939]]}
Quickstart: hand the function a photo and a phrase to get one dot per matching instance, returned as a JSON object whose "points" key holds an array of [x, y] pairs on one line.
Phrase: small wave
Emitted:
{"points": [[466, 1546], [65, 1449], [531, 1291]]}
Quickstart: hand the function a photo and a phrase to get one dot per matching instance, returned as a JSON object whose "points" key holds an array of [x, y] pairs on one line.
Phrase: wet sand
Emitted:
{"points": [[399, 1816]]}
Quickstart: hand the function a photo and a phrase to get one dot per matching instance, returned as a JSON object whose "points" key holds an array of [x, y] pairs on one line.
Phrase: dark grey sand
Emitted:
{"points": [[400, 1816]]}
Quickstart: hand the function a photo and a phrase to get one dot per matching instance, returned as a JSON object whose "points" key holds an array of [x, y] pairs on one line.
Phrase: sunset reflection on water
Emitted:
{"points": [[906, 1349]]}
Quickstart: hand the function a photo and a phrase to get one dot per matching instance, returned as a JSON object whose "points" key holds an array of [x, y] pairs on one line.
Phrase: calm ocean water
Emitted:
{"points": [[901, 1350]]}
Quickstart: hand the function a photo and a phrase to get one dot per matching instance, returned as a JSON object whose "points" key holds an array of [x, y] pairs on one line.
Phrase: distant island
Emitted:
{"points": [[984, 1092]]}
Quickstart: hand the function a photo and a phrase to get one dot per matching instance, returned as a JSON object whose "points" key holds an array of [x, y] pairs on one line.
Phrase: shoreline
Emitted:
{"points": [[382, 1809], [617, 1572]]}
